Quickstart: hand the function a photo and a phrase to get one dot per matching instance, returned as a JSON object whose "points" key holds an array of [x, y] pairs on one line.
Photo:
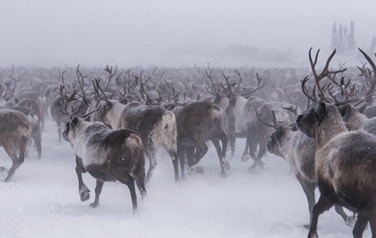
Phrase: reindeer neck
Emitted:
{"points": [[114, 114], [328, 129]]}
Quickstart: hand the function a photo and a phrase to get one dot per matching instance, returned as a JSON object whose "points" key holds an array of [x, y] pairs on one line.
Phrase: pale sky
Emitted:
{"points": [[123, 32]]}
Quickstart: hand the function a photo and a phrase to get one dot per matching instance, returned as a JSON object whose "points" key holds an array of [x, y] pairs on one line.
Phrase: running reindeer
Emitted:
{"points": [[107, 154], [155, 125], [345, 161]]}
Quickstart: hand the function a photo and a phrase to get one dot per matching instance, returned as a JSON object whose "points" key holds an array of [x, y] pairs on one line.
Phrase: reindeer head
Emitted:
{"points": [[280, 139], [321, 123], [73, 128]]}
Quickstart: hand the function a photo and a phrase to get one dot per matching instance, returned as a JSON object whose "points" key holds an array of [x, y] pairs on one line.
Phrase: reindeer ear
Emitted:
{"points": [[74, 121], [108, 105], [362, 108], [321, 111], [345, 111]]}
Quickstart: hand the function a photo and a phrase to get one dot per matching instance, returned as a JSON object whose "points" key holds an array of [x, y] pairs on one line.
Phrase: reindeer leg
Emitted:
{"points": [[59, 130], [15, 165], [152, 164], [349, 220], [98, 191], [360, 225], [129, 181], [16, 161], [181, 156], [83, 191], [372, 221], [175, 162], [221, 152], [232, 140], [139, 181], [245, 155], [197, 156], [38, 143], [309, 190], [326, 201], [261, 153]]}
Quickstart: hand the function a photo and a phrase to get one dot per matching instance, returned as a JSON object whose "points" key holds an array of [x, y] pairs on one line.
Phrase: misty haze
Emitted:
{"points": [[203, 118]]}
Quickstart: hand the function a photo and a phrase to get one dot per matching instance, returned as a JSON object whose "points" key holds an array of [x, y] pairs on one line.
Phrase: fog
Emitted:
{"points": [[174, 33]]}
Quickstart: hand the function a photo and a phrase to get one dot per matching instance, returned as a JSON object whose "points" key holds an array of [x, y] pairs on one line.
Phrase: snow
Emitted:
{"points": [[42, 201]]}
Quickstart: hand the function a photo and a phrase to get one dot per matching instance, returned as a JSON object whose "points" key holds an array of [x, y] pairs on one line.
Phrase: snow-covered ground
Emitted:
{"points": [[42, 201]]}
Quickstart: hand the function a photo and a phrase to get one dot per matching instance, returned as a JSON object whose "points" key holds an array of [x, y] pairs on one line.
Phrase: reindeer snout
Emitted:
{"points": [[65, 136], [299, 118], [269, 146]]}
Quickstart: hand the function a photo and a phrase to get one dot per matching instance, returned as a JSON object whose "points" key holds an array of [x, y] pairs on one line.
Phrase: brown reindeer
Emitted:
{"points": [[15, 134], [197, 123], [155, 125], [345, 161], [345, 164], [108, 155]]}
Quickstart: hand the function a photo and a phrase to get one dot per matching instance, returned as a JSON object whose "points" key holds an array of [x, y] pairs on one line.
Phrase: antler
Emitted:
{"points": [[66, 100], [370, 76], [98, 91], [229, 86], [110, 76], [274, 119], [318, 77], [129, 92], [209, 76], [259, 85]]}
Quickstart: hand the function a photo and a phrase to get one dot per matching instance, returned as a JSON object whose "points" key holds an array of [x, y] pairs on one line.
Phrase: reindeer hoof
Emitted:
{"points": [[94, 205], [245, 158], [196, 170], [143, 193], [4, 171], [252, 170], [350, 221], [261, 164], [226, 164], [84, 195]]}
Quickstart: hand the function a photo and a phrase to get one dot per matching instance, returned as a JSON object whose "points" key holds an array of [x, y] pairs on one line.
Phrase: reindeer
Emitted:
{"points": [[155, 125], [15, 134], [108, 155], [244, 123], [197, 123], [344, 160], [299, 152], [35, 123], [345, 164]]}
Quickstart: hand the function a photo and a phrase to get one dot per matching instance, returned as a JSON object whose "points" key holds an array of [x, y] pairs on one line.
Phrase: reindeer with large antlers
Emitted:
{"points": [[345, 161], [299, 152], [243, 122], [155, 125]]}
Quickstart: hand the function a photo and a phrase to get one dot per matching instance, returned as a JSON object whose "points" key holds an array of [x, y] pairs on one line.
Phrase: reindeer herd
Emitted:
{"points": [[114, 119]]}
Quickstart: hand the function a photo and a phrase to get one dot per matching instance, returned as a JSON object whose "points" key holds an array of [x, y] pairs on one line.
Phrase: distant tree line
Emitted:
{"points": [[343, 39]]}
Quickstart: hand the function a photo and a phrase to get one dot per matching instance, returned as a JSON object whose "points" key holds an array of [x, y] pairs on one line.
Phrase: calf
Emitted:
{"points": [[345, 165], [108, 155]]}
